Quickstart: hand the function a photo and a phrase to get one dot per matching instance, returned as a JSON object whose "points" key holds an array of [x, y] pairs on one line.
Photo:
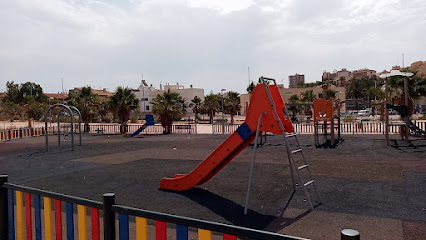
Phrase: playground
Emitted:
{"points": [[364, 184], [286, 183]]}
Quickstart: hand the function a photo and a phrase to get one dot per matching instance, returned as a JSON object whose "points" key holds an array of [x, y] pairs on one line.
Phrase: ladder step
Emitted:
{"points": [[296, 151], [303, 166], [310, 182], [290, 135]]}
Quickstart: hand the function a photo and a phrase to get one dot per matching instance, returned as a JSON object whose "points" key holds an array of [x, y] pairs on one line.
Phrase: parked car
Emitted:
{"points": [[365, 113]]}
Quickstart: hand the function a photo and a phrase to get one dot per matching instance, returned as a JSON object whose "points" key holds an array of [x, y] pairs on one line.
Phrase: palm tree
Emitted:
{"points": [[308, 96], [196, 106], [124, 102], [85, 101], [168, 106], [211, 105], [416, 88], [232, 104], [250, 87]]}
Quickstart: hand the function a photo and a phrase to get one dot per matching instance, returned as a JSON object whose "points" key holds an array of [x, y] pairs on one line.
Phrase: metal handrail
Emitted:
{"points": [[54, 195]]}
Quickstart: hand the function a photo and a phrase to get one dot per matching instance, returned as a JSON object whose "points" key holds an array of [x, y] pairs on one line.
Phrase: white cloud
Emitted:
{"points": [[222, 6], [207, 44]]}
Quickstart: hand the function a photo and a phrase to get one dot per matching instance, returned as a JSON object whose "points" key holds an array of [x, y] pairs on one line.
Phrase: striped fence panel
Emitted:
{"points": [[21, 202], [22, 224]]}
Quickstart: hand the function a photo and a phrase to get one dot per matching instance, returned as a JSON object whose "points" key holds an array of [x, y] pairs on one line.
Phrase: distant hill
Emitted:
{"points": [[419, 67]]}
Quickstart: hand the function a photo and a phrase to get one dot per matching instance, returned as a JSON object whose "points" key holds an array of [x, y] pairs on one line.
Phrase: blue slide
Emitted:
{"points": [[149, 118]]}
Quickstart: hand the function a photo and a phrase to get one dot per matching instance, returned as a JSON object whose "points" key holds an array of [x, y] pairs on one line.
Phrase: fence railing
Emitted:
{"points": [[13, 134], [345, 128], [18, 224], [114, 128]]}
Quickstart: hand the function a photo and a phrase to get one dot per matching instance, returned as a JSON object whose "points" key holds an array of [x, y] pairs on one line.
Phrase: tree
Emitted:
{"points": [[294, 98], [102, 109], [27, 99], [232, 104], [85, 101], [250, 87], [330, 93], [416, 88], [196, 106], [366, 88], [35, 110], [168, 106], [124, 102], [308, 96], [211, 105]]}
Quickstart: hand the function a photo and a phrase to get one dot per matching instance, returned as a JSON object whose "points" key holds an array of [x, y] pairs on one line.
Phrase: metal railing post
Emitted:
{"points": [[4, 212], [109, 216]]}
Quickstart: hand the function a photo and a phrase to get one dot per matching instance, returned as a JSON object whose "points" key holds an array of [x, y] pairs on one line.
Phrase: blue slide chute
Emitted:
{"points": [[149, 118]]}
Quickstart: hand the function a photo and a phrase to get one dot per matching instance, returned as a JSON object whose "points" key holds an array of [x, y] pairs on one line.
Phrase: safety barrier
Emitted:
{"points": [[13, 224], [345, 128], [13, 134], [114, 128]]}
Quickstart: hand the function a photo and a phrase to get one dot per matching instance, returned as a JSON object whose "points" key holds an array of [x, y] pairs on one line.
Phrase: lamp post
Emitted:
{"points": [[223, 120]]}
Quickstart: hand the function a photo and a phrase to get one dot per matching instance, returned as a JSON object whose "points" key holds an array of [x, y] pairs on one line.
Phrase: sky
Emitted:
{"points": [[210, 44]]}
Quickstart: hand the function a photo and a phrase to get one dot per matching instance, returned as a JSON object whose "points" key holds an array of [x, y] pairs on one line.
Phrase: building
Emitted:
{"points": [[295, 80], [328, 75], [103, 93], [146, 93], [286, 93], [57, 96], [343, 77]]}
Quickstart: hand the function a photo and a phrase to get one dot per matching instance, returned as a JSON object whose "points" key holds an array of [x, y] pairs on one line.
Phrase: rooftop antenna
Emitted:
{"points": [[62, 81], [402, 60]]}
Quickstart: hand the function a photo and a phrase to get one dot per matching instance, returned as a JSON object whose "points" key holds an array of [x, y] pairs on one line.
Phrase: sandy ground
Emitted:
{"points": [[364, 184]]}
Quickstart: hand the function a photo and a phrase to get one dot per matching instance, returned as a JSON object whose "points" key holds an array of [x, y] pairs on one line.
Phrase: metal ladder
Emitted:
{"points": [[304, 182]]}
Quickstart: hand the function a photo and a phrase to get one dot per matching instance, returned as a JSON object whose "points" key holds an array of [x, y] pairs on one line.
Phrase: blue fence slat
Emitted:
{"points": [[11, 214], [37, 216], [70, 221], [181, 232], [123, 231]]}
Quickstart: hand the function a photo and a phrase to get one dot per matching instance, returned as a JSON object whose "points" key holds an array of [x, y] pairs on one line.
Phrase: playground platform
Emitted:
{"points": [[365, 185]]}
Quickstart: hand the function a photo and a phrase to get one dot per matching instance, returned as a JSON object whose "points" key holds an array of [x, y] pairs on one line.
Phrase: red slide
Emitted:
{"points": [[240, 139]]}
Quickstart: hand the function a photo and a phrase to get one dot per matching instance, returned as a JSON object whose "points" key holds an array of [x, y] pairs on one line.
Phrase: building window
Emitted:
{"points": [[147, 108], [144, 99], [288, 93]]}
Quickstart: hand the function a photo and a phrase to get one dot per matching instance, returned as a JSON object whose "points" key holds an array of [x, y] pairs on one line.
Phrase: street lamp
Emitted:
{"points": [[223, 120]]}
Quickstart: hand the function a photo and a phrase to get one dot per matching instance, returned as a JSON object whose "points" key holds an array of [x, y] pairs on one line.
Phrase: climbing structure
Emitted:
{"points": [[266, 113], [324, 119]]}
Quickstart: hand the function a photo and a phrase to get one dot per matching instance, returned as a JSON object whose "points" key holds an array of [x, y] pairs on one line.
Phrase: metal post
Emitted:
{"points": [[252, 163], [59, 127], [349, 234], [109, 216], [47, 133], [4, 212], [407, 127], [386, 112], [72, 130], [223, 120]]}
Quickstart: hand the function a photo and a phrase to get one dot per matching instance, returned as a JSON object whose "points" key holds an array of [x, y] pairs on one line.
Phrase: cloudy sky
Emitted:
{"points": [[207, 43]]}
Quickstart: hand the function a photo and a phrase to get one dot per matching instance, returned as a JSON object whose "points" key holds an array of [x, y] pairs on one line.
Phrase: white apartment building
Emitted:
{"points": [[146, 93]]}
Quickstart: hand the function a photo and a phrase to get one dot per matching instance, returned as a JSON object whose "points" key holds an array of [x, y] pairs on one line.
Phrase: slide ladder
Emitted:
{"points": [[267, 107], [297, 159]]}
